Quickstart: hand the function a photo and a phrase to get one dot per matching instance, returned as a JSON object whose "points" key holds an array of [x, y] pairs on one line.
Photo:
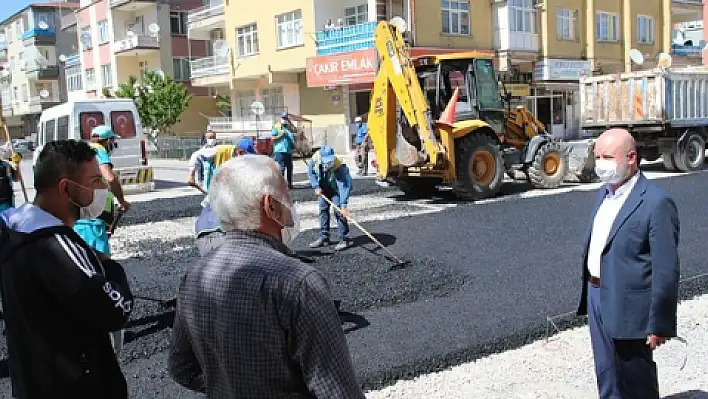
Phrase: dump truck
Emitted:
{"points": [[442, 119], [665, 110]]}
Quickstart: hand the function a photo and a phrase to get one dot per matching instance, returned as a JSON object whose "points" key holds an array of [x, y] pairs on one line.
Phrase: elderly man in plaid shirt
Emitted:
{"points": [[252, 320]]}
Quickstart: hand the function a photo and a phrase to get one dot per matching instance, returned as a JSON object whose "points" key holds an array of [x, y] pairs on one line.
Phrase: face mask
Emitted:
{"points": [[288, 233], [210, 142], [609, 171], [327, 165], [95, 208]]}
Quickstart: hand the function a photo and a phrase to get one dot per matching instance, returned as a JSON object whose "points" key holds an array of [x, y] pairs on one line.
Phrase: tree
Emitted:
{"points": [[160, 100], [223, 103]]}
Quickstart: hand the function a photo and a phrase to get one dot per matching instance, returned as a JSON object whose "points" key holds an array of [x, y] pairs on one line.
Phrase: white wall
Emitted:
{"points": [[334, 9]]}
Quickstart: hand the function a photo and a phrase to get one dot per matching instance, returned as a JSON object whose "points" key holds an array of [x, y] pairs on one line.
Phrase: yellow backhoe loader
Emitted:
{"points": [[441, 120]]}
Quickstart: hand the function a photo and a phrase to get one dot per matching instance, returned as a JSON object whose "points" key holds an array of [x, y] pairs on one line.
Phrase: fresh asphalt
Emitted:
{"points": [[482, 279]]}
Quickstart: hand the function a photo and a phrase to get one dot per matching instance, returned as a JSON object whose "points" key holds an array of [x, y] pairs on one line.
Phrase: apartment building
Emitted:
{"points": [[122, 38], [31, 78]]}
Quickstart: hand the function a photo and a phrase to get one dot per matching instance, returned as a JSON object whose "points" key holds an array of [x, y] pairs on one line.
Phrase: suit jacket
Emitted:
{"points": [[639, 271]]}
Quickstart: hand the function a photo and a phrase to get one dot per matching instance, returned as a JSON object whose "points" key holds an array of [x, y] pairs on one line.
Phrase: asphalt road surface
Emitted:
{"points": [[483, 276]]}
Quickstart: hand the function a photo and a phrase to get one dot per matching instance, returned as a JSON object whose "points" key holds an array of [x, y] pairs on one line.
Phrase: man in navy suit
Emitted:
{"points": [[630, 271]]}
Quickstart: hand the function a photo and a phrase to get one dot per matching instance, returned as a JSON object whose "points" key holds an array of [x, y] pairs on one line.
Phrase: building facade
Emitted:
{"points": [[118, 39], [32, 79]]}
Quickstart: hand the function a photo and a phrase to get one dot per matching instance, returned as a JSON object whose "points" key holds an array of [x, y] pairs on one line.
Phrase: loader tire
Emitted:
{"points": [[479, 165], [549, 166], [690, 157], [418, 187]]}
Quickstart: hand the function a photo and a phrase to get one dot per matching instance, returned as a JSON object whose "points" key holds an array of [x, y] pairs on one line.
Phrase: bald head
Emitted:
{"points": [[618, 146]]}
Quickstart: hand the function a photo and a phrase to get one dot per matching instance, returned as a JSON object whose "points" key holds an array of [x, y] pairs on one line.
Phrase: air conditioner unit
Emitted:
{"points": [[217, 34]]}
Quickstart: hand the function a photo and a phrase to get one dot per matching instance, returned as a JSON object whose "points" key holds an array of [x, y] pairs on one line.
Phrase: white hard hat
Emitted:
{"points": [[357, 119]]}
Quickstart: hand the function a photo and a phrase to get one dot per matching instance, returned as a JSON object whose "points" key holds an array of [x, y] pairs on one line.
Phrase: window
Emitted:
{"points": [[567, 24], [356, 15], [19, 28], [63, 128], [123, 123], [25, 92], [273, 99], [522, 16], [8, 34], [44, 16], [103, 36], [645, 29], [289, 29], [455, 17], [144, 67], [88, 121], [106, 75], [85, 38], [247, 40], [90, 79], [487, 85], [178, 23], [49, 130], [74, 81], [180, 68], [607, 27]]}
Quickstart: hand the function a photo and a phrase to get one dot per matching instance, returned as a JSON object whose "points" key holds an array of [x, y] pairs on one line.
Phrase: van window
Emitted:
{"points": [[63, 128], [49, 130], [88, 121], [123, 123]]}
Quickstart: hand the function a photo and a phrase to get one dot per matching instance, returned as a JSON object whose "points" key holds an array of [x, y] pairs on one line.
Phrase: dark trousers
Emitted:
{"points": [[285, 161], [342, 223], [624, 368], [363, 153]]}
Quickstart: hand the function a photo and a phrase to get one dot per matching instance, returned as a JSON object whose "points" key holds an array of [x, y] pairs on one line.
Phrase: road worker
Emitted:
{"points": [[283, 146]]}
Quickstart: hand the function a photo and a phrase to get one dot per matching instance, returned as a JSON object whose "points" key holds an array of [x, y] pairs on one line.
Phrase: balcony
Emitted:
{"points": [[687, 55], [72, 60], [38, 104], [210, 71], [246, 125], [68, 20], [35, 71], [38, 37], [201, 21], [686, 10], [131, 5], [346, 39], [136, 45]]}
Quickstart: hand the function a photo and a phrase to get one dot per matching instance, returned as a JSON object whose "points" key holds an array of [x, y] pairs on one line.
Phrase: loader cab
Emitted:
{"points": [[479, 98]]}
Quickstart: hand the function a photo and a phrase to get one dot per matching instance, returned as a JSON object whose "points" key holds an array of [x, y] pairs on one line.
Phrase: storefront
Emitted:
{"points": [[555, 95]]}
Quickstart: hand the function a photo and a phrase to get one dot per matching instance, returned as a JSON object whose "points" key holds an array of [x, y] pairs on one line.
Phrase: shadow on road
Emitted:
{"points": [[155, 323], [357, 321], [692, 394]]}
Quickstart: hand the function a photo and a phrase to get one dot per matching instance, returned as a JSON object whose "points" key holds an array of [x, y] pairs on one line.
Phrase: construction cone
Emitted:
{"points": [[448, 115]]}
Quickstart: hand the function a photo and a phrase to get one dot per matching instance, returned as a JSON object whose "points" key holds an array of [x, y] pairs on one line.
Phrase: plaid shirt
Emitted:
{"points": [[254, 321]]}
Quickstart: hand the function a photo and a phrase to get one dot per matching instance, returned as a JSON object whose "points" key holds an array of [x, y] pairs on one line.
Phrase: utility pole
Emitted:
{"points": [[17, 160]]}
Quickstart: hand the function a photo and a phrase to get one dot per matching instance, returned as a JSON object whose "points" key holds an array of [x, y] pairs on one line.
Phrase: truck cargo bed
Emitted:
{"points": [[675, 97]]}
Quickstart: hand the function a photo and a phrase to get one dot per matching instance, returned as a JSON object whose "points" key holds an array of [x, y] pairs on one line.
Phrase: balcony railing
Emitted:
{"points": [[52, 98], [209, 66], [247, 124], [211, 10], [698, 2], [72, 60], [38, 32], [136, 42], [686, 51], [346, 39], [118, 3], [68, 20]]}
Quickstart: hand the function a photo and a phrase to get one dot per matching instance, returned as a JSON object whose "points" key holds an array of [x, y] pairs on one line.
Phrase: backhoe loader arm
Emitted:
{"points": [[397, 80]]}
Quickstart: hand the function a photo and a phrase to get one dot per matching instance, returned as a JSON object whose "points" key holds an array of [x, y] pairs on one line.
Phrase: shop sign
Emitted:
{"points": [[560, 69], [342, 69], [516, 89]]}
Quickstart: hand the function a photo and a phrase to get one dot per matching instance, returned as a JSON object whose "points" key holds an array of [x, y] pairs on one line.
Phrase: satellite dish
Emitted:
{"points": [[154, 28], [665, 60], [160, 73], [43, 25], [130, 33], [221, 48], [257, 108], [399, 23], [44, 93], [62, 58], [636, 56]]}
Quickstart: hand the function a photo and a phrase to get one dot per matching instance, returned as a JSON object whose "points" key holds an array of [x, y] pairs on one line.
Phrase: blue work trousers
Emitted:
{"points": [[624, 368], [285, 161], [342, 223]]}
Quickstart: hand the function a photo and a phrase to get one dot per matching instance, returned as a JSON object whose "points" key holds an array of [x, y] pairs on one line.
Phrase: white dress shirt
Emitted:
{"points": [[604, 218]]}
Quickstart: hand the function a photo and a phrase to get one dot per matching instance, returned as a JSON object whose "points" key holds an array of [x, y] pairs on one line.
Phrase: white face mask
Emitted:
{"points": [[288, 233], [210, 142], [610, 172], [95, 208]]}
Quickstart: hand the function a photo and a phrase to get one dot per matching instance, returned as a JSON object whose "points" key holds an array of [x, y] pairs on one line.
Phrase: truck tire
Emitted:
{"points": [[691, 156], [549, 166], [668, 159], [479, 165], [421, 187]]}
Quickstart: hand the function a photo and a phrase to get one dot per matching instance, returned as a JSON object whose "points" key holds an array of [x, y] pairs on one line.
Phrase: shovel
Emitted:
{"points": [[399, 262]]}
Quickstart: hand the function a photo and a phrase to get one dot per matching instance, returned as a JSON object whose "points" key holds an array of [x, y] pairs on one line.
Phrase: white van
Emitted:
{"points": [[76, 119]]}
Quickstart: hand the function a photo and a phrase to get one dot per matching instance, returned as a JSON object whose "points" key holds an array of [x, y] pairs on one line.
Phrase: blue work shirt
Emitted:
{"points": [[285, 144], [338, 179], [361, 133]]}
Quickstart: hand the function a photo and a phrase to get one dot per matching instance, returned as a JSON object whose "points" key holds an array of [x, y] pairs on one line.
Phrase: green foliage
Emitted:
{"points": [[160, 100], [224, 103]]}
